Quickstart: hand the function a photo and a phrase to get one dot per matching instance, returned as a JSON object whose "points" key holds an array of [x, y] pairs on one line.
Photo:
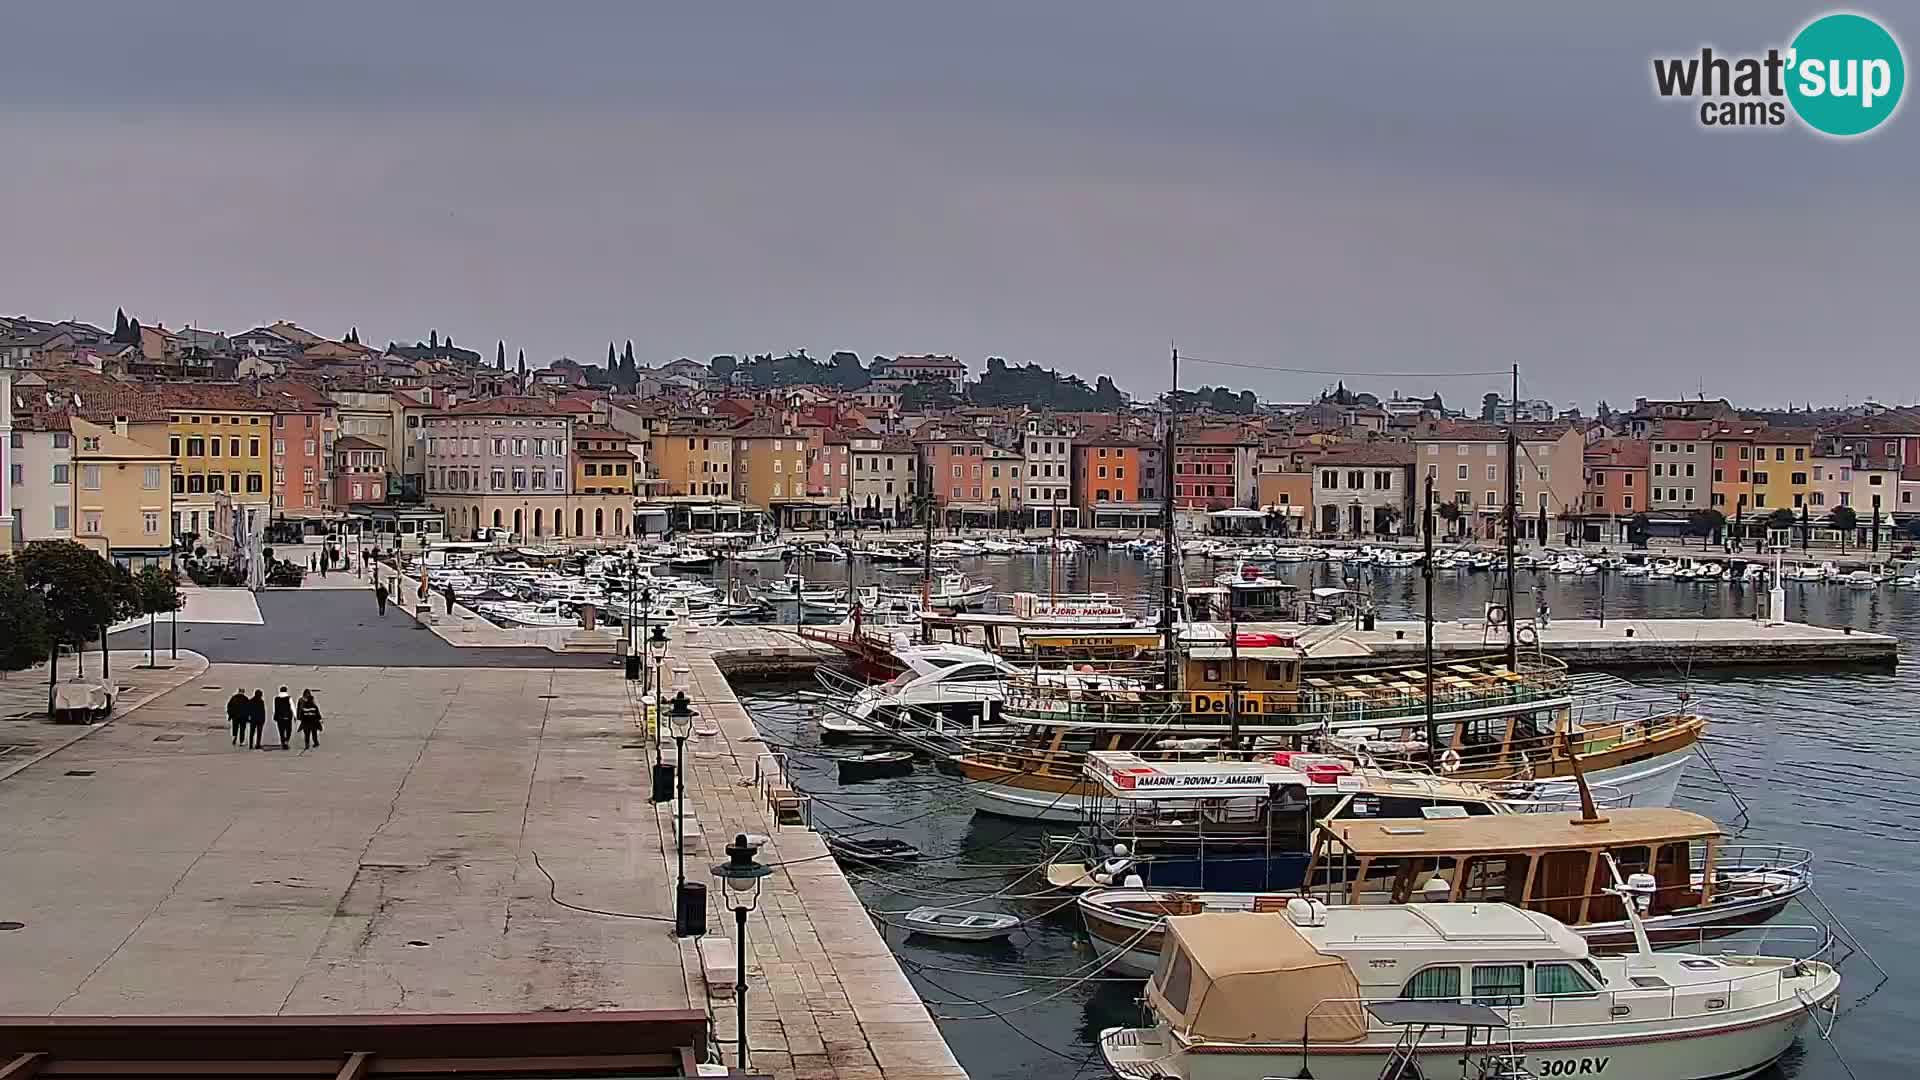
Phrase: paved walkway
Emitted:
{"points": [[344, 628]]}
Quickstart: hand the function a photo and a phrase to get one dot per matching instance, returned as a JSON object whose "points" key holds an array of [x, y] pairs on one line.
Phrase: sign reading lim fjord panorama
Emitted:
{"points": [[1842, 75]]}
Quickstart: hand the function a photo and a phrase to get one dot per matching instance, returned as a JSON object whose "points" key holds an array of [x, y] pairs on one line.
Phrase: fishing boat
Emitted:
{"points": [[871, 850], [949, 591], [876, 766], [762, 553], [794, 587], [959, 925], [1702, 887], [1492, 722], [1313, 991]]}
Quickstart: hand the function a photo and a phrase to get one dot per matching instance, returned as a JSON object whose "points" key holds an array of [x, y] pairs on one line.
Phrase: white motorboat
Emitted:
{"points": [[957, 549], [949, 591], [763, 553], [1861, 579], [794, 587], [1339, 994], [827, 552], [959, 925], [942, 690]]}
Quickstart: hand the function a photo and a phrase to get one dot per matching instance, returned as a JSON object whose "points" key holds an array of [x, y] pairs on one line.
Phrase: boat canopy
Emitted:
{"points": [[1239, 512], [1503, 833], [1252, 978]]}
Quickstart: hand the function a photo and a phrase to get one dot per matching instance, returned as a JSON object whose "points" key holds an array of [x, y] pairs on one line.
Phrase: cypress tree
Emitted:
{"points": [[500, 355], [433, 339], [119, 324]]}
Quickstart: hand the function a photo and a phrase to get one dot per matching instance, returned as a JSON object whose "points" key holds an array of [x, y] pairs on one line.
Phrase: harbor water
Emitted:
{"points": [[1825, 759]]}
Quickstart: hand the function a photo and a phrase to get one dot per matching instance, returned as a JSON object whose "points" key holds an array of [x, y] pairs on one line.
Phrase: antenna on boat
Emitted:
{"points": [[1589, 814]]}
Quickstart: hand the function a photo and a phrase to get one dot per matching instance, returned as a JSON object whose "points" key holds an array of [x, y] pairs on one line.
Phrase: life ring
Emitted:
{"points": [[1450, 760], [1527, 635], [1496, 615]]}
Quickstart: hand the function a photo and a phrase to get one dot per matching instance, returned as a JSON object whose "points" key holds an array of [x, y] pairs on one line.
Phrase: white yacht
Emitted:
{"points": [[762, 553], [941, 686], [1322, 992], [950, 591]]}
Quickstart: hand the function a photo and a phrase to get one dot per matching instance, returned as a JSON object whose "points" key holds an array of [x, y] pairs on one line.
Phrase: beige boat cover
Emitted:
{"points": [[1255, 979]]}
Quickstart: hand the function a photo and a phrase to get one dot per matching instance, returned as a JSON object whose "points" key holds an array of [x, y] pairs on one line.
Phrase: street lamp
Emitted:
{"points": [[740, 875], [680, 725], [656, 646], [646, 609], [657, 652]]}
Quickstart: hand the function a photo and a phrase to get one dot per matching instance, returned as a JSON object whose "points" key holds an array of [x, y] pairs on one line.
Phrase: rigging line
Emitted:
{"points": [[1354, 374], [1011, 1025]]}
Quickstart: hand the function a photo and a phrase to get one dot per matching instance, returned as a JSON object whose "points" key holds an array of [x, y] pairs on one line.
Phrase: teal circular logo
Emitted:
{"points": [[1845, 74]]}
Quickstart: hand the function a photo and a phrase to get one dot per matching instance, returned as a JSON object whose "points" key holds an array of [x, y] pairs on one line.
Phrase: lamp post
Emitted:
{"points": [[680, 724], [663, 773], [657, 652], [646, 608], [740, 875]]}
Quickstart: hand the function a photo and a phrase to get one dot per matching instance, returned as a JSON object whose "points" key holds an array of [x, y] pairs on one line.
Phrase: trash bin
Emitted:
{"points": [[1366, 621], [663, 783], [633, 667], [690, 912]]}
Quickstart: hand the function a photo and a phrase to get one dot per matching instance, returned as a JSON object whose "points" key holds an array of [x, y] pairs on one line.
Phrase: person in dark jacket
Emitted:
{"points": [[238, 709], [256, 719], [380, 597], [283, 717], [309, 721]]}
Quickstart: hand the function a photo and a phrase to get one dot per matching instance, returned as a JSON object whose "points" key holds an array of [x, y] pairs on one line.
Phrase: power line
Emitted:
{"points": [[1345, 374]]}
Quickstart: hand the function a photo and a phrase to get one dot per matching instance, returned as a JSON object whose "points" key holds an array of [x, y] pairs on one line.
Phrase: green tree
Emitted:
{"points": [[1450, 513], [157, 590], [81, 594], [930, 394], [1846, 520], [119, 324], [1638, 528], [1706, 524], [523, 370], [500, 355], [23, 619], [433, 339], [723, 366]]}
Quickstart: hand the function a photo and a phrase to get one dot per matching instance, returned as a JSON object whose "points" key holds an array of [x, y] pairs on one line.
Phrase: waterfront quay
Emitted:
{"points": [[473, 836]]}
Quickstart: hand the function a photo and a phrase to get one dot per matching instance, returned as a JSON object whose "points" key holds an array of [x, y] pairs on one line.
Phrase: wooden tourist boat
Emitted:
{"points": [[1491, 722], [1700, 887]]}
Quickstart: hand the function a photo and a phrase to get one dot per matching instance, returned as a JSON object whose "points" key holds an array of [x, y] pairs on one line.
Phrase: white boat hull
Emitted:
{"points": [[1738, 1046], [1652, 782]]}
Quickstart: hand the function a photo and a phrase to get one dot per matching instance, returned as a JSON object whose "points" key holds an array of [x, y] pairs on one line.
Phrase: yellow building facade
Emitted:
{"points": [[221, 444], [122, 493], [690, 461]]}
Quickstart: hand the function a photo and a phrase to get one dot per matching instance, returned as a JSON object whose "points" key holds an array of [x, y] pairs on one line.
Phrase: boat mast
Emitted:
{"points": [[926, 557], [1513, 498], [1426, 572], [1167, 553], [1053, 556]]}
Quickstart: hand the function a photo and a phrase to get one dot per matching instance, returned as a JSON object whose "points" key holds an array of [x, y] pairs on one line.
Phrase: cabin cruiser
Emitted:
{"points": [[941, 690], [1348, 993], [1701, 886], [1825, 571]]}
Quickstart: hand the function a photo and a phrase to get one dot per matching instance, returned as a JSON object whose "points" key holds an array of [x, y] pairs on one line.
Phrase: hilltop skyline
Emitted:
{"points": [[1076, 187]]}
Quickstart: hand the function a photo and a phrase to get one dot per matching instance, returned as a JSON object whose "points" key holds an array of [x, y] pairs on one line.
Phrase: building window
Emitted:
{"points": [[90, 477], [60, 474], [255, 483], [60, 515], [151, 522]]}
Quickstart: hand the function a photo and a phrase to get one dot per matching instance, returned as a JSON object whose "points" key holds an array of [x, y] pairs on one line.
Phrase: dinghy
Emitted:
{"points": [[958, 925]]}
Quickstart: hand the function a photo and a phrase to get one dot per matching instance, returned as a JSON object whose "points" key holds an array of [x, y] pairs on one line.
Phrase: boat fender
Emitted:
{"points": [[1450, 760], [1496, 615]]}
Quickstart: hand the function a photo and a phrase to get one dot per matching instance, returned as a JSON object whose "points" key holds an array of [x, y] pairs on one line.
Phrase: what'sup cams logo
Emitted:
{"points": [[1842, 76]]}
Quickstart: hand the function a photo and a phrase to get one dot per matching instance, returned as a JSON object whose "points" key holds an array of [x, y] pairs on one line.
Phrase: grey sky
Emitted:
{"points": [[1403, 187]]}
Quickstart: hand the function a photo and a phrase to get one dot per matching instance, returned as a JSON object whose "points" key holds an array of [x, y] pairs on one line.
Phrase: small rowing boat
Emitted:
{"points": [[958, 925]]}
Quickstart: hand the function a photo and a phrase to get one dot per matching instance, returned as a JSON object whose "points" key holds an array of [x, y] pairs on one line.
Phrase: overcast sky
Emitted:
{"points": [[1377, 188]]}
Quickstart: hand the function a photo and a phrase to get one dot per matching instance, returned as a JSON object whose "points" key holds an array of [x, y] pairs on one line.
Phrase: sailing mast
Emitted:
{"points": [[926, 558], [1167, 553], [1426, 571], [1513, 498]]}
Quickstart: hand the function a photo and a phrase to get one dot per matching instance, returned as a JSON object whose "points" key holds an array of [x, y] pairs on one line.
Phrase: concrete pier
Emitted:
{"points": [[471, 838]]}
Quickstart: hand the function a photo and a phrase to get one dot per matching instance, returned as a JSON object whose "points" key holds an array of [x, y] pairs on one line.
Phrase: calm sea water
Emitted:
{"points": [[1828, 760]]}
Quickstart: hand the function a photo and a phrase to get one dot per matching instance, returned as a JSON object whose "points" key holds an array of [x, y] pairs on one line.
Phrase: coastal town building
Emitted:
{"points": [[1468, 463], [1364, 490]]}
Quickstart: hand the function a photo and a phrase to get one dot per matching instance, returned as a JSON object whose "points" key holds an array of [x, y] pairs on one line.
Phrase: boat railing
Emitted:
{"points": [[1096, 696], [1763, 984], [1751, 868]]}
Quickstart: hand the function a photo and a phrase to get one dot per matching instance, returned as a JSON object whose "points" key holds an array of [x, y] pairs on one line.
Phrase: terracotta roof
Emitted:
{"points": [[1893, 422], [102, 397], [1477, 431], [1682, 429], [1376, 454], [598, 431], [1619, 454], [761, 427], [355, 442], [507, 406], [1788, 436], [1217, 437]]}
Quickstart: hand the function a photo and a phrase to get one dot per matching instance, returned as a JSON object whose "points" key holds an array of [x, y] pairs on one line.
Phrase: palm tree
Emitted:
{"points": [[1781, 520], [1844, 519]]}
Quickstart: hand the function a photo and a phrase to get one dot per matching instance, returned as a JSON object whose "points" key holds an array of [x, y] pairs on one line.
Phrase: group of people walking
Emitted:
{"points": [[247, 716]]}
